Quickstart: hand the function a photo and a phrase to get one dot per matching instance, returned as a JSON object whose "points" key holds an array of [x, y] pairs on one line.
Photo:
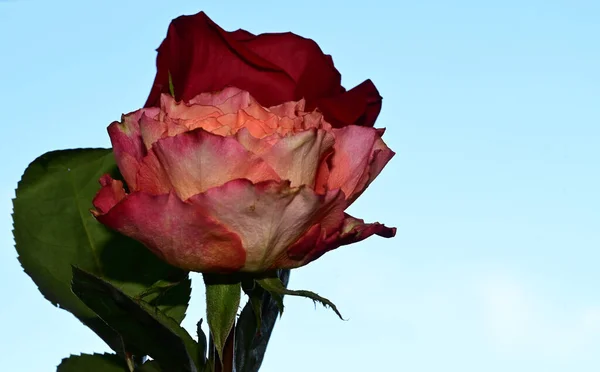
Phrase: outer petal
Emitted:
{"points": [[178, 232], [196, 161], [355, 150], [379, 158], [127, 143], [321, 239], [109, 195], [268, 216]]}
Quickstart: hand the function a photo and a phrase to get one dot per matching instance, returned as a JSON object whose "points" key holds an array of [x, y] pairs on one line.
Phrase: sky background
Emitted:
{"points": [[493, 109]]}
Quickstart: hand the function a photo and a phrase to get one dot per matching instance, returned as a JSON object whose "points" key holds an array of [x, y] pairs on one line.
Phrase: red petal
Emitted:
{"points": [[202, 57], [360, 106], [275, 68]]}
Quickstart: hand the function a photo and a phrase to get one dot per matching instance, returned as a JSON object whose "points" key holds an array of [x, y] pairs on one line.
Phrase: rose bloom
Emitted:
{"points": [[220, 183], [199, 56]]}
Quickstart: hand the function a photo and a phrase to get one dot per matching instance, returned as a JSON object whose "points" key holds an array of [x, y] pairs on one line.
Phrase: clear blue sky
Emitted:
{"points": [[493, 109]]}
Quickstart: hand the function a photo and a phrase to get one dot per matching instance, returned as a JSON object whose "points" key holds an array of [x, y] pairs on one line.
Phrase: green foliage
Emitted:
{"points": [[202, 343], [93, 363], [54, 229], [277, 290], [171, 86], [150, 366], [140, 324], [222, 301], [255, 324]]}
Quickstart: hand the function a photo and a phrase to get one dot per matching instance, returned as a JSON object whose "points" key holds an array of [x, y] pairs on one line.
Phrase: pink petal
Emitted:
{"points": [[355, 149], [151, 130], [196, 161], [297, 157], [255, 145], [109, 195], [380, 157], [177, 232], [268, 216], [321, 239], [151, 177], [127, 144]]}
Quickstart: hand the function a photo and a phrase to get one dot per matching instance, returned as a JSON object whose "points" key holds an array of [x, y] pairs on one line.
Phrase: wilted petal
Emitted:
{"points": [[177, 232], [196, 161], [268, 216]]}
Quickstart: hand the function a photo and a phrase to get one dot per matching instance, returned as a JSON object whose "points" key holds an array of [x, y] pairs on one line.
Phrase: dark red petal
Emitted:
{"points": [[360, 106], [202, 57], [274, 67], [312, 70]]}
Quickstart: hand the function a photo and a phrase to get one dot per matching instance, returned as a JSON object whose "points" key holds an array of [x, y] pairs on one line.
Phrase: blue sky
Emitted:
{"points": [[493, 110]]}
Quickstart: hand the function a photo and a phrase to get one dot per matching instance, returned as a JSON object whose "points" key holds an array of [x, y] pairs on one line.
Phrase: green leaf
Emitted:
{"points": [[251, 334], [93, 363], [140, 324], [167, 295], [53, 229], [222, 301], [277, 290], [171, 86]]}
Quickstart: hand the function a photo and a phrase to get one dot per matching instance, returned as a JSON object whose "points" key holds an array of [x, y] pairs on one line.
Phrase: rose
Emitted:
{"points": [[221, 183], [198, 56]]}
